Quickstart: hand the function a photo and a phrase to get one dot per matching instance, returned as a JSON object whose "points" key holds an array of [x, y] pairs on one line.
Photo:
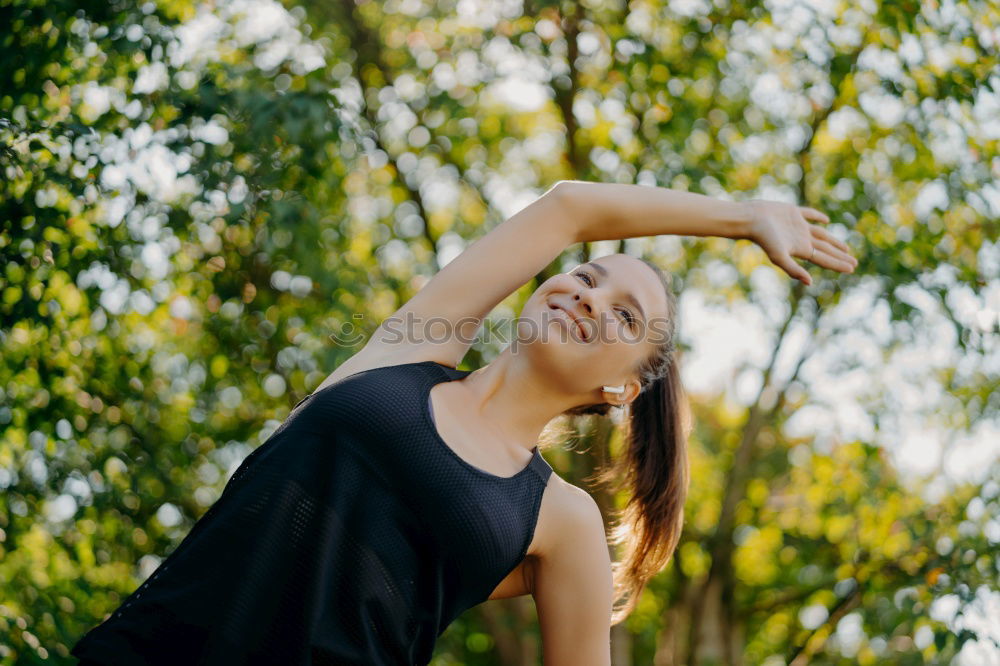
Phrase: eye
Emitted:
{"points": [[589, 280], [629, 318]]}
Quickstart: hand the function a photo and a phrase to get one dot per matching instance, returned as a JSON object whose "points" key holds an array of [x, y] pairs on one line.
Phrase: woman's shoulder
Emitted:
{"points": [[566, 512], [373, 356]]}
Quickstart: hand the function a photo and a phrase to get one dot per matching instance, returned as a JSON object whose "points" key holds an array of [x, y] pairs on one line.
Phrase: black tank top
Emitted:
{"points": [[353, 535]]}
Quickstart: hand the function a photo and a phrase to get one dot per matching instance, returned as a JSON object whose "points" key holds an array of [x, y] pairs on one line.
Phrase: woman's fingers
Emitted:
{"points": [[813, 214], [823, 234], [831, 252], [830, 257], [789, 265]]}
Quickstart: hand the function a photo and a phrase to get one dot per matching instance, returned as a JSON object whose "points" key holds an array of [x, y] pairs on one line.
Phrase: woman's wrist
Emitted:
{"points": [[741, 224]]}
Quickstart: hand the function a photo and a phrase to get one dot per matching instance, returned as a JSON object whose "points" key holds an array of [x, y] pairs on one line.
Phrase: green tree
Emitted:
{"points": [[199, 205]]}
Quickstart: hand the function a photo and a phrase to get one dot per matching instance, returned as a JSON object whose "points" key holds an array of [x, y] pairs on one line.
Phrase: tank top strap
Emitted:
{"points": [[450, 372], [540, 466]]}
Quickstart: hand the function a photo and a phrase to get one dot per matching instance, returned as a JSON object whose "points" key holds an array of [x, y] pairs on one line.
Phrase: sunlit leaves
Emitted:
{"points": [[154, 329]]}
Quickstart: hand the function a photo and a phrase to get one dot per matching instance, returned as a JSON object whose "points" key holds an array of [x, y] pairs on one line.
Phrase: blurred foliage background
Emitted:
{"points": [[196, 197]]}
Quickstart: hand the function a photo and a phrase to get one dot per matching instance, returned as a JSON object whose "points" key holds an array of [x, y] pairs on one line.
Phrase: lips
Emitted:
{"points": [[573, 318]]}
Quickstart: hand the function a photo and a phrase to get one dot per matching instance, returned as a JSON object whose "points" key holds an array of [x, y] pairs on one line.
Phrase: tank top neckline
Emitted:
{"points": [[537, 462], [446, 372]]}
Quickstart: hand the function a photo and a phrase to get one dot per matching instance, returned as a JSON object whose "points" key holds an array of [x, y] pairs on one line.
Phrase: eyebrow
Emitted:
{"points": [[628, 296]]}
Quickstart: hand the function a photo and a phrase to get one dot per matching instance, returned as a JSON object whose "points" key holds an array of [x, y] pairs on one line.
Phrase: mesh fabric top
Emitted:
{"points": [[353, 535]]}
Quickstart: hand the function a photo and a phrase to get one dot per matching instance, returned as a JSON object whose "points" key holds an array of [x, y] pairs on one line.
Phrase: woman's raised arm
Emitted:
{"points": [[441, 320], [450, 308], [610, 211]]}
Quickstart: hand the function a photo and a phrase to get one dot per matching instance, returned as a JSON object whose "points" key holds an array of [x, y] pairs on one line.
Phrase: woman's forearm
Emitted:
{"points": [[612, 211]]}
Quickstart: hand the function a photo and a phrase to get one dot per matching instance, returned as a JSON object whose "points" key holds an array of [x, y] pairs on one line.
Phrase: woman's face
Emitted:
{"points": [[594, 324]]}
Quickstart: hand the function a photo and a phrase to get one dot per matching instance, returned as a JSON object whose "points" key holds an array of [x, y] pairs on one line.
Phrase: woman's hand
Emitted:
{"points": [[783, 231]]}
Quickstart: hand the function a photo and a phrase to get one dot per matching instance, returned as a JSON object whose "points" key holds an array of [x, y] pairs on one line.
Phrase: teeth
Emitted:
{"points": [[579, 325]]}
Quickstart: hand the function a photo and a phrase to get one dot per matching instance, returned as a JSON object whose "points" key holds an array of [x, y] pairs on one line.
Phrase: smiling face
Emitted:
{"points": [[594, 324]]}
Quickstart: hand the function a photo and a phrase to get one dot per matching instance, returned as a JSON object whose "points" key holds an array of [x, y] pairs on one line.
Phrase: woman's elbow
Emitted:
{"points": [[566, 197]]}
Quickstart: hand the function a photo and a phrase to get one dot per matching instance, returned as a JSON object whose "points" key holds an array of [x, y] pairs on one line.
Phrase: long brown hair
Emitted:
{"points": [[653, 468]]}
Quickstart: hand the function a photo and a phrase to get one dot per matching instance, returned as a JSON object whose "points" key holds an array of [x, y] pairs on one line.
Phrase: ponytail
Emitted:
{"points": [[654, 467]]}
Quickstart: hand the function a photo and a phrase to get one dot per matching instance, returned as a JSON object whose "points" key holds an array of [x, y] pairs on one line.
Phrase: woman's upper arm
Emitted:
{"points": [[573, 588], [457, 299]]}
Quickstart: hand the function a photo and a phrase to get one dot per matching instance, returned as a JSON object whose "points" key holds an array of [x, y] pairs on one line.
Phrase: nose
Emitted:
{"points": [[584, 311], [590, 304], [586, 301]]}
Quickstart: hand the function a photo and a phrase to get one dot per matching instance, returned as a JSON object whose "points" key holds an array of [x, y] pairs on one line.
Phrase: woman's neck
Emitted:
{"points": [[515, 397]]}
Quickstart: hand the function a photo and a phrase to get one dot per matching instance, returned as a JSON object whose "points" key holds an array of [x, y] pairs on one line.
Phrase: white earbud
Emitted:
{"points": [[614, 389]]}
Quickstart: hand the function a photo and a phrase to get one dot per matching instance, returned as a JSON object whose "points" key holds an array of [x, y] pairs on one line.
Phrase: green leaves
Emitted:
{"points": [[176, 261]]}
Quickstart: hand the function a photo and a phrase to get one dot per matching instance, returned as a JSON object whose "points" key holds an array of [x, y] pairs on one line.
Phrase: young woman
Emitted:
{"points": [[403, 491]]}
